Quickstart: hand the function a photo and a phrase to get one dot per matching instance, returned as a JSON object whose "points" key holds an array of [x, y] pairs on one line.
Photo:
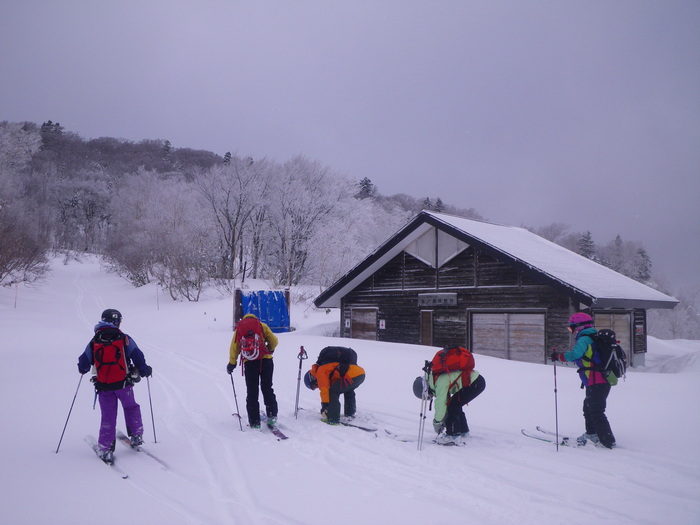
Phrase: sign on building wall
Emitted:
{"points": [[437, 299]]}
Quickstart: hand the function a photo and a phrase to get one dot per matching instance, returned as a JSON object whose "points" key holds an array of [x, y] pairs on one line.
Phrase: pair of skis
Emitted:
{"points": [[550, 437], [274, 429], [350, 423], [123, 438]]}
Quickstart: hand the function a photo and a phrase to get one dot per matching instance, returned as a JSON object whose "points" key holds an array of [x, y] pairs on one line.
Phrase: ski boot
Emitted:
{"points": [[584, 438], [107, 456]]}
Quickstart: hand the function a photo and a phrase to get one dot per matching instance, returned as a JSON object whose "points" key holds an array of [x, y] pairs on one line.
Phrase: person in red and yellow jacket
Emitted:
{"points": [[258, 366], [333, 379]]}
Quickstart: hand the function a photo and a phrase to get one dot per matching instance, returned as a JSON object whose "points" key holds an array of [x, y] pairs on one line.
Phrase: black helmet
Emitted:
{"points": [[418, 387], [110, 315], [310, 381]]}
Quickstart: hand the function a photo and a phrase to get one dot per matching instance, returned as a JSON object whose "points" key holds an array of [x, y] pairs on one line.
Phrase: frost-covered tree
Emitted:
{"points": [[82, 209], [22, 248], [366, 189], [162, 235], [18, 143], [130, 246], [303, 199], [586, 246], [558, 233], [352, 230], [682, 322], [642, 266], [232, 193], [23, 245], [614, 255], [255, 233], [626, 257]]}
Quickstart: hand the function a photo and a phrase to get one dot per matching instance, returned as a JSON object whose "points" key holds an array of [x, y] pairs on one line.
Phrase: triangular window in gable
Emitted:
{"points": [[424, 248], [449, 247]]}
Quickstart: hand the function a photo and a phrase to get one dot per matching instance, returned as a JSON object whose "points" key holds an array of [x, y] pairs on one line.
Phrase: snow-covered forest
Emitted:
{"points": [[186, 219]]}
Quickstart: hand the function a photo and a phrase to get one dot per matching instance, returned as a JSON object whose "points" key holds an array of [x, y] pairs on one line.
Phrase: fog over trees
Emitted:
{"points": [[187, 219]]}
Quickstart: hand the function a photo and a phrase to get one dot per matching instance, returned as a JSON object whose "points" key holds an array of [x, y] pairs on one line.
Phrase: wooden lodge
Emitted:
{"points": [[500, 290]]}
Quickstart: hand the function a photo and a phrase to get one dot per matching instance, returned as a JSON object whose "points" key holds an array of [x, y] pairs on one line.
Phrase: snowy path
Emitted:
{"points": [[221, 475]]}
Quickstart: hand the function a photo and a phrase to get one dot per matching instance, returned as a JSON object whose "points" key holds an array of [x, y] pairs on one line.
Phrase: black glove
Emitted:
{"points": [[230, 367], [557, 356], [343, 369], [324, 409], [147, 371]]}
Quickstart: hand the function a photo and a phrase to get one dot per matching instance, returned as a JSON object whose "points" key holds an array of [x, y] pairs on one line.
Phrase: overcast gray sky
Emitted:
{"points": [[532, 112]]}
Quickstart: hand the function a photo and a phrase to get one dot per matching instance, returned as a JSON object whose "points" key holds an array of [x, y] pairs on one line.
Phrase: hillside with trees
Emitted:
{"points": [[188, 219]]}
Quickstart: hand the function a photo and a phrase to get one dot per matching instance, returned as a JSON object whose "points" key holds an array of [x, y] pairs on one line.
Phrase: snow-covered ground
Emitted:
{"points": [[321, 474]]}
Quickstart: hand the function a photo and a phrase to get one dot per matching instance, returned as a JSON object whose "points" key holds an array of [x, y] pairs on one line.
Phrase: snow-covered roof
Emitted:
{"points": [[592, 283]]}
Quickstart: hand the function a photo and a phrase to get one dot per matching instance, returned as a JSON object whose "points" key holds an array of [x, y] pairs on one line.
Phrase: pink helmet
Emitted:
{"points": [[579, 321]]}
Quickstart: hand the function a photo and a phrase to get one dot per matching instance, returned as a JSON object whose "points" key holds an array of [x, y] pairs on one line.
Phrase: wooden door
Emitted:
{"points": [[363, 323]]}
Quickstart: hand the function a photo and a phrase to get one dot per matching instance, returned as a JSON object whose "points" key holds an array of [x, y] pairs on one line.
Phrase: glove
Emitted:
{"points": [[147, 371], [324, 409], [438, 426], [230, 367], [557, 356], [343, 369]]}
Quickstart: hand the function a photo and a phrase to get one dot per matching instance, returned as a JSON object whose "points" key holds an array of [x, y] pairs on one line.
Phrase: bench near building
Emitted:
{"points": [[500, 290]]}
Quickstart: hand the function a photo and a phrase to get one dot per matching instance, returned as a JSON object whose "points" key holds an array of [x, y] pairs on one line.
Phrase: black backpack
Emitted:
{"points": [[612, 356], [338, 354]]}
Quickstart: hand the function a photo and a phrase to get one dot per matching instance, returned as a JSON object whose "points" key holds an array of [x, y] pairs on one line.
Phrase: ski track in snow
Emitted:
{"points": [[229, 493]]}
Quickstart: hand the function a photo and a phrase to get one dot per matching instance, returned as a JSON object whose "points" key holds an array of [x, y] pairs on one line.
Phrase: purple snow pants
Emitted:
{"points": [[108, 407]]}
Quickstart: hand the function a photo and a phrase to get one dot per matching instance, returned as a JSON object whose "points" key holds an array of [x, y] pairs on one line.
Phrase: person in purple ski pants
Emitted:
{"points": [[113, 353]]}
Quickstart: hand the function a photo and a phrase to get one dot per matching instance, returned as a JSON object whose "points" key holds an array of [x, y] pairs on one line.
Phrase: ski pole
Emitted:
{"points": [[150, 402], [235, 398], [556, 405], [421, 424], [424, 401], [302, 355], [69, 412]]}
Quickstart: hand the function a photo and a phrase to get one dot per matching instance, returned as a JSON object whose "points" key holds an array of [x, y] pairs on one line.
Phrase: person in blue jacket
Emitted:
{"points": [[597, 387], [121, 390]]}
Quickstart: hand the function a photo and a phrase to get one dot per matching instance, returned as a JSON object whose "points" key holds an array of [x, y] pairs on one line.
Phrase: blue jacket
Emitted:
{"points": [[133, 353], [583, 355]]}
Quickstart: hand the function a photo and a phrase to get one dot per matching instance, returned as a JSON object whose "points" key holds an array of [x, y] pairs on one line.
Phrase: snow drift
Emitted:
{"points": [[219, 474]]}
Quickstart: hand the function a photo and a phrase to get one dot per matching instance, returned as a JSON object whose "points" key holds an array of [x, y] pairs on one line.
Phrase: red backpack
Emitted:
{"points": [[250, 339], [454, 358], [109, 358]]}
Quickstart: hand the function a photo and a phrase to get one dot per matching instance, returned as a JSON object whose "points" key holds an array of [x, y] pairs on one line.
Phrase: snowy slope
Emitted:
{"points": [[340, 475]]}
